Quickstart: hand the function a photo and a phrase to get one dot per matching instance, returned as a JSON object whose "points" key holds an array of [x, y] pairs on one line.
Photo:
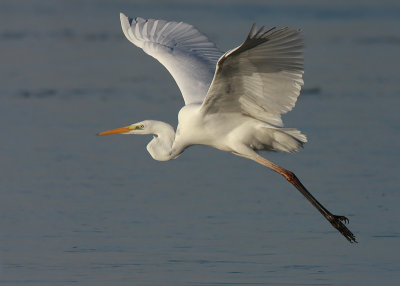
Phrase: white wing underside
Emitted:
{"points": [[185, 52], [261, 78]]}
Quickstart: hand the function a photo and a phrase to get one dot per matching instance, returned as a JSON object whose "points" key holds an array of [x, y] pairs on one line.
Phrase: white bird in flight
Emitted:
{"points": [[233, 100]]}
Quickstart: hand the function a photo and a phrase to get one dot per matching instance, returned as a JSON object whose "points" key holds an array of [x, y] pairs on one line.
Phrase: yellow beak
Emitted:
{"points": [[120, 130]]}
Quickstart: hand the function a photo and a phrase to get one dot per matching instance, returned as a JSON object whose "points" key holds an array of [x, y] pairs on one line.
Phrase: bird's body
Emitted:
{"points": [[229, 132], [233, 100]]}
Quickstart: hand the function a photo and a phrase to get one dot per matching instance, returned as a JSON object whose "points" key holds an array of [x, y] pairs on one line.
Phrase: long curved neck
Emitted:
{"points": [[161, 147]]}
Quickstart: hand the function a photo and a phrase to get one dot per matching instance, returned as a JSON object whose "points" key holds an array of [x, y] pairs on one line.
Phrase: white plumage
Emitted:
{"points": [[261, 78], [233, 101], [186, 53]]}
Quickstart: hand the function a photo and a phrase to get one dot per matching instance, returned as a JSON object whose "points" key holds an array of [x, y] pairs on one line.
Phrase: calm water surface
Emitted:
{"points": [[77, 209]]}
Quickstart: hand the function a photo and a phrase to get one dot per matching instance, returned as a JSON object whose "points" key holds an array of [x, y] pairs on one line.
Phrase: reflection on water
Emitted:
{"points": [[380, 40], [65, 34], [311, 91], [49, 92], [79, 209]]}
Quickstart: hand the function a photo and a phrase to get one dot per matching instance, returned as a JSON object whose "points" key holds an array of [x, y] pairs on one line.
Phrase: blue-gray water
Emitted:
{"points": [[77, 209]]}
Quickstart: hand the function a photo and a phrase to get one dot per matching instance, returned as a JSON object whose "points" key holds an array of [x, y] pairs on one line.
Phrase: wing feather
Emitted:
{"points": [[261, 78], [185, 52]]}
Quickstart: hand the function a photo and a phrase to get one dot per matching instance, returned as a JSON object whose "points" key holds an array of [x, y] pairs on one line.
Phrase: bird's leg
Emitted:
{"points": [[336, 221]]}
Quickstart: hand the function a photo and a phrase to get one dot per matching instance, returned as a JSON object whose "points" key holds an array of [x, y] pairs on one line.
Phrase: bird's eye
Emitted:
{"points": [[141, 126]]}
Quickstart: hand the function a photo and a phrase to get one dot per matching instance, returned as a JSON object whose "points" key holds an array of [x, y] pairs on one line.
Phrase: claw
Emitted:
{"points": [[342, 218], [336, 221]]}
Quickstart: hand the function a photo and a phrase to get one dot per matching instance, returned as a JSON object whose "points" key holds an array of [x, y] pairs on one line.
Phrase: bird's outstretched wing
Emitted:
{"points": [[186, 53], [261, 78]]}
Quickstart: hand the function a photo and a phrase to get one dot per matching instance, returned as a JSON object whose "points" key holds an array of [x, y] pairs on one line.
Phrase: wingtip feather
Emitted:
{"points": [[125, 25], [251, 32]]}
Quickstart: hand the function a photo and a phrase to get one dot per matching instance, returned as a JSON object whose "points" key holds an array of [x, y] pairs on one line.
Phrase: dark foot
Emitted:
{"points": [[337, 222]]}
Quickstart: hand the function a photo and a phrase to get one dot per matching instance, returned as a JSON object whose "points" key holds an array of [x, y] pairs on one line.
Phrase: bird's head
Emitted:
{"points": [[136, 128], [160, 147]]}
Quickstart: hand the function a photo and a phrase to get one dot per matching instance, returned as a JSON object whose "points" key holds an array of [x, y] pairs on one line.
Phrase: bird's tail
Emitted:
{"points": [[288, 140]]}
